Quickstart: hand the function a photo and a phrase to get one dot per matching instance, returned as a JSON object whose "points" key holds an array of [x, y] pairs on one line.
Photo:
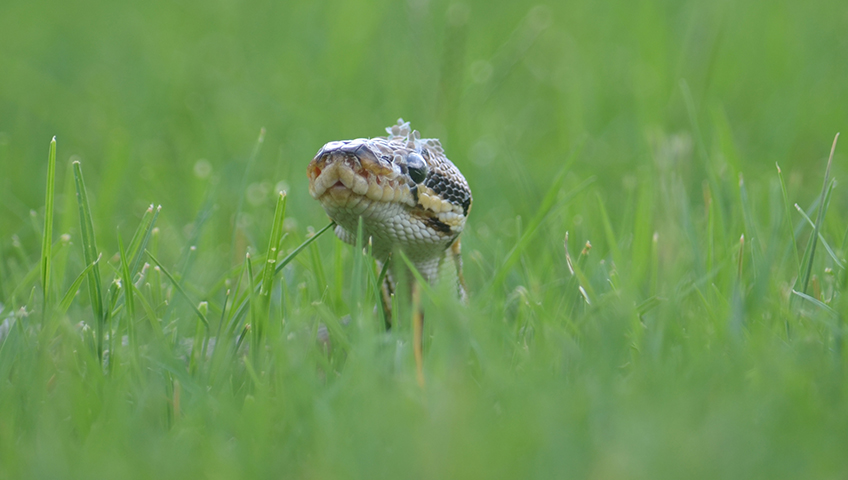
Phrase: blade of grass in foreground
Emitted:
{"points": [[47, 235], [273, 246], [263, 306], [89, 250], [254, 305], [808, 261]]}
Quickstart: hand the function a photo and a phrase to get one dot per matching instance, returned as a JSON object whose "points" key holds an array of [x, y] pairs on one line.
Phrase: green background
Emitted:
{"points": [[688, 362]]}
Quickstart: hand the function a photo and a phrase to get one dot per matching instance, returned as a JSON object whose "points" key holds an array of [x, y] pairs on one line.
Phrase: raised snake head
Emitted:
{"points": [[408, 194]]}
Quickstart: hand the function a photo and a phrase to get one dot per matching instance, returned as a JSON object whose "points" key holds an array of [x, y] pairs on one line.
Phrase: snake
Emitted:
{"points": [[406, 192]]}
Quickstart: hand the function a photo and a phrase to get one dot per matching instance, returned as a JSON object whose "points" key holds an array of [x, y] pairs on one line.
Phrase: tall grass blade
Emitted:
{"points": [[89, 250], [235, 313], [384, 271], [273, 246], [379, 285], [822, 208], [47, 234], [750, 225], [788, 219], [253, 303], [126, 279], [261, 308], [608, 230], [141, 237]]}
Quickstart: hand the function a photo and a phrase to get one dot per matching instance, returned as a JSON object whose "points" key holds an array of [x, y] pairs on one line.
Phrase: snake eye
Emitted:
{"points": [[417, 168]]}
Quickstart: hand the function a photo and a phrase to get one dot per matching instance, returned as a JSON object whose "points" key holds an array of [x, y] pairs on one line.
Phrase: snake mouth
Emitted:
{"points": [[339, 176]]}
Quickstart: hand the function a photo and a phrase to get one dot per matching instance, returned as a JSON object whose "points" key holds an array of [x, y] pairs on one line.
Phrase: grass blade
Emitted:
{"points": [[815, 301], [126, 278], [425, 286], [300, 247], [750, 226], [788, 215], [141, 237], [822, 208], [253, 303], [72, 291], [180, 289], [32, 276], [47, 235], [156, 328], [824, 243], [608, 230], [263, 306], [384, 271], [273, 246], [578, 280], [135, 241], [89, 250]]}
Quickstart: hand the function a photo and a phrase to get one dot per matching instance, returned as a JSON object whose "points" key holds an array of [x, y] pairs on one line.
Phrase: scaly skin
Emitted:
{"points": [[408, 194]]}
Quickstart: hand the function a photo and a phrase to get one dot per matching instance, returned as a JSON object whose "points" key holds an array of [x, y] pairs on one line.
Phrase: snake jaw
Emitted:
{"points": [[337, 174]]}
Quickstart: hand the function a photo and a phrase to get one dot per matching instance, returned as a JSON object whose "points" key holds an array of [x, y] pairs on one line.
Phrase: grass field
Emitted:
{"points": [[700, 336]]}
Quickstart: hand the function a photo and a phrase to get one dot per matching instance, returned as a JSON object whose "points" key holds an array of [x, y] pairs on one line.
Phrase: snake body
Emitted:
{"points": [[408, 194]]}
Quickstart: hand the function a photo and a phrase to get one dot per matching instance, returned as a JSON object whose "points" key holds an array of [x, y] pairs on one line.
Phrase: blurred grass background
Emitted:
{"points": [[661, 105]]}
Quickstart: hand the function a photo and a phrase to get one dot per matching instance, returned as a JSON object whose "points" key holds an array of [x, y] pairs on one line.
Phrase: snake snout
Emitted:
{"points": [[335, 170]]}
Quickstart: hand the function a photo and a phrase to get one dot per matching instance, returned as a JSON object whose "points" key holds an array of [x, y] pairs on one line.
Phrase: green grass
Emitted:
{"points": [[645, 298]]}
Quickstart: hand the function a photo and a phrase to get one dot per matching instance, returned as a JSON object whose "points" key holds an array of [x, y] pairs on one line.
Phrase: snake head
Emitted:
{"points": [[407, 193]]}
